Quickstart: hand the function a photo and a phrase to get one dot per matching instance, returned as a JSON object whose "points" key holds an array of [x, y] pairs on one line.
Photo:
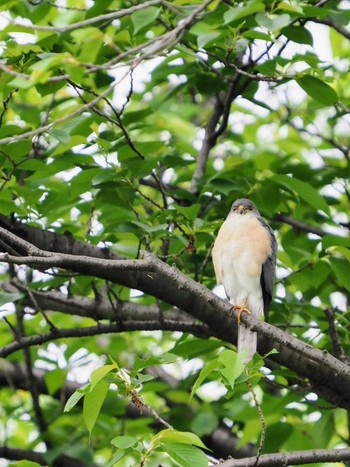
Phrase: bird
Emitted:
{"points": [[244, 259]]}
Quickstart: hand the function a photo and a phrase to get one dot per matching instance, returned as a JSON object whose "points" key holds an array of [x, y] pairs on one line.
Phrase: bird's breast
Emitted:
{"points": [[241, 248]]}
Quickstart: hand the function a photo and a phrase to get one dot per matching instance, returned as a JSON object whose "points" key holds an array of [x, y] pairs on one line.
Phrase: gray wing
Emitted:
{"points": [[268, 270]]}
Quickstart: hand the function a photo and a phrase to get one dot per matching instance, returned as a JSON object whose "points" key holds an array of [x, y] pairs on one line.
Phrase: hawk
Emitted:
{"points": [[244, 258]]}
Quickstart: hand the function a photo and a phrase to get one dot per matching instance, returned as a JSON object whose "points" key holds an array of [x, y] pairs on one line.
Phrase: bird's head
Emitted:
{"points": [[244, 206]]}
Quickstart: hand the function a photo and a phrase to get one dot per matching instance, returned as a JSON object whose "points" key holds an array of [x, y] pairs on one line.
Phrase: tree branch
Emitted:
{"points": [[292, 458], [55, 334], [113, 15], [327, 375], [299, 225], [97, 309]]}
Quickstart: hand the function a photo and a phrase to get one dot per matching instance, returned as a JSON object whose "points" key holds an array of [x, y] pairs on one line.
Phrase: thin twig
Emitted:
{"points": [[262, 420]]}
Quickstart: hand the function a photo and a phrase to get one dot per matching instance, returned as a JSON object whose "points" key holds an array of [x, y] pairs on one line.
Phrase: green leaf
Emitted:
{"points": [[298, 34], [189, 212], [233, 365], [75, 397], [335, 240], [204, 373], [99, 374], [272, 22], [205, 39], [142, 18], [304, 190], [195, 347], [248, 9], [124, 442], [318, 90], [153, 360], [186, 455], [93, 401], [183, 437], [205, 423], [341, 270]]}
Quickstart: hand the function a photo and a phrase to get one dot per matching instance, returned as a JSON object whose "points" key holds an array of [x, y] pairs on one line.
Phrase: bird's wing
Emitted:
{"points": [[268, 270]]}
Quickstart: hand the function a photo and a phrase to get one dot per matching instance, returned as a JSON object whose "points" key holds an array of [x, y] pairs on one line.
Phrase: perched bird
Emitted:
{"points": [[244, 258]]}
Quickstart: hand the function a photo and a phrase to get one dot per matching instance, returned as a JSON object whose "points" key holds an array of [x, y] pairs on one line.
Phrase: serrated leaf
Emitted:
{"points": [[93, 401], [318, 90], [186, 455], [304, 190]]}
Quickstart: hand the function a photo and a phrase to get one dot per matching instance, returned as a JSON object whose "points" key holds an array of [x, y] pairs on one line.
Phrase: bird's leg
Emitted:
{"points": [[241, 309]]}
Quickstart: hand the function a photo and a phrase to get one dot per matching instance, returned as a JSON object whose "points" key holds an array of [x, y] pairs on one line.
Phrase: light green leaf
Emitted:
{"points": [[186, 455], [183, 437], [99, 374], [248, 9], [204, 373], [233, 365], [304, 190], [93, 401], [272, 22], [153, 360], [205, 39], [75, 397], [318, 90], [142, 18], [124, 442]]}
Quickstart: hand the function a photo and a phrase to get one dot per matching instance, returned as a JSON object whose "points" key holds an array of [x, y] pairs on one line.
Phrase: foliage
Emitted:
{"points": [[132, 126]]}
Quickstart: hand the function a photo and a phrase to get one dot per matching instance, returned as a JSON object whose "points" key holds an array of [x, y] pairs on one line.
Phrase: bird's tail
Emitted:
{"points": [[247, 341]]}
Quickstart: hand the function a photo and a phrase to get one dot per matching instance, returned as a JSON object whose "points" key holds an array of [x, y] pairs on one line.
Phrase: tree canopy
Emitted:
{"points": [[127, 129]]}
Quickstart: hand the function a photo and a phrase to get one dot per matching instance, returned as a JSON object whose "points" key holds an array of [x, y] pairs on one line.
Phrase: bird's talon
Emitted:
{"points": [[241, 309]]}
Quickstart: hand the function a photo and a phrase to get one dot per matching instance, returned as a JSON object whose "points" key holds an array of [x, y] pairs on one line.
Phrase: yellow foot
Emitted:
{"points": [[241, 309]]}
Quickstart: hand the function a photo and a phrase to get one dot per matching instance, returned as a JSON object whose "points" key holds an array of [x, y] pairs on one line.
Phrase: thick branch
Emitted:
{"points": [[97, 309], [327, 375], [292, 458]]}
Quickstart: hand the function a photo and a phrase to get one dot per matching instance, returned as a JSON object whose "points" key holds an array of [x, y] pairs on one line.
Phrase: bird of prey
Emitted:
{"points": [[244, 258]]}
